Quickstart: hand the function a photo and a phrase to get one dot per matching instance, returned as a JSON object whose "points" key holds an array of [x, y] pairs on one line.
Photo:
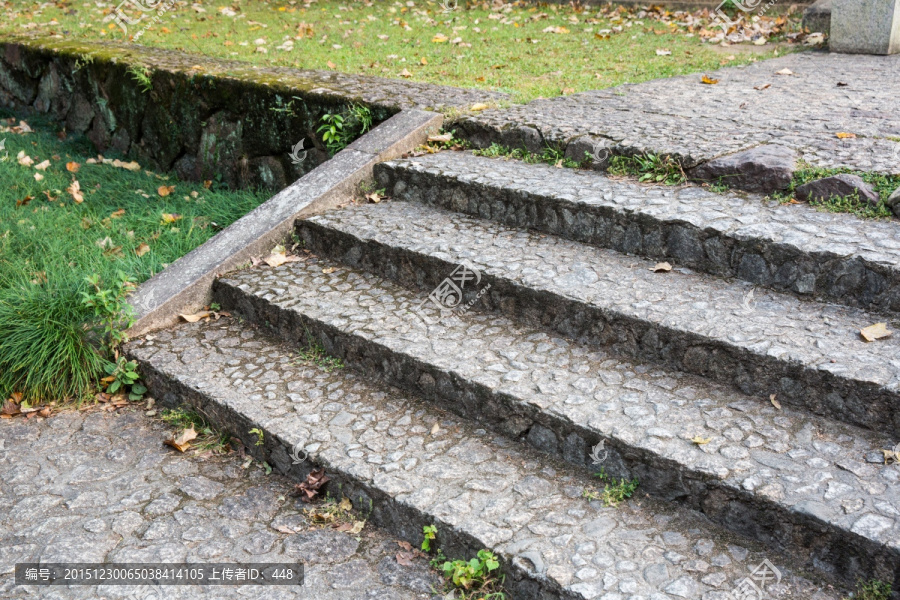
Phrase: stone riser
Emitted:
{"points": [[780, 526], [849, 280], [820, 392]]}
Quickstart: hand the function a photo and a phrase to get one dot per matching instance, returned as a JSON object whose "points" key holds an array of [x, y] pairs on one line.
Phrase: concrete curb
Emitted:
{"points": [[185, 285]]}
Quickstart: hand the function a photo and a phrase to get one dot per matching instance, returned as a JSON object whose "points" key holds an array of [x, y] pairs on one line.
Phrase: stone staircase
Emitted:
{"points": [[735, 388]]}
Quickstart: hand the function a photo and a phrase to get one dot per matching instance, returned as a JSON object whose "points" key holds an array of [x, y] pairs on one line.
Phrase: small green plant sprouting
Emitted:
{"points": [[339, 129], [430, 532], [478, 577], [314, 353], [122, 375], [141, 74], [260, 436], [82, 61], [653, 168], [613, 492], [871, 590], [285, 108], [112, 314], [549, 155]]}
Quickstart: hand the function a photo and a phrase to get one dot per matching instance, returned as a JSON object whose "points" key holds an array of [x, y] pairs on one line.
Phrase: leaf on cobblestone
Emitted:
{"points": [[285, 529], [329, 270], [708, 80], [309, 489], [357, 527], [775, 402], [9, 410], [196, 316], [662, 267], [182, 442], [843, 135], [762, 87], [478, 106], [405, 559], [445, 137], [890, 456], [374, 197], [875, 332], [345, 504], [435, 428], [405, 545], [700, 440], [784, 71]]}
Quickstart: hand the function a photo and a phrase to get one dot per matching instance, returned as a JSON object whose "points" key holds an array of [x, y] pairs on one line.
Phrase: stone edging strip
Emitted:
{"points": [[185, 285]]}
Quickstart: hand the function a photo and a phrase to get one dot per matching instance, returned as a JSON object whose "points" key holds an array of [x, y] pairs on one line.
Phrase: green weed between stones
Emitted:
{"points": [[871, 590], [884, 185], [314, 353], [649, 168], [338, 130], [478, 577], [549, 155], [66, 267], [141, 75], [614, 492]]}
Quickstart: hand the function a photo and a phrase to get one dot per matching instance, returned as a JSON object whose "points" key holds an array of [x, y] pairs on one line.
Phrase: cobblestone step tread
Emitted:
{"points": [[491, 491], [794, 481], [809, 353], [797, 248]]}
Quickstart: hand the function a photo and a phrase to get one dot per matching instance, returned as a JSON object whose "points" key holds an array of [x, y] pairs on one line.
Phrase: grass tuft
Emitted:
{"points": [[884, 185]]}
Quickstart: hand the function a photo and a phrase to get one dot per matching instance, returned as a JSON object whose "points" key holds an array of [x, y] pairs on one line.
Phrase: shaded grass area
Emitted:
{"points": [[526, 49], [50, 345]]}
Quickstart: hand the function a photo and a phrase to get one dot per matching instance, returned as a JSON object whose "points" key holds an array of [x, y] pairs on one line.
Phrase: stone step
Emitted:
{"points": [[798, 483], [810, 354], [793, 248], [409, 464]]}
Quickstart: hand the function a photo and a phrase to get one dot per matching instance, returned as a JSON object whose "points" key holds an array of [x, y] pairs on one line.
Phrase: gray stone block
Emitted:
{"points": [[838, 186], [765, 169], [865, 26], [894, 202], [817, 17]]}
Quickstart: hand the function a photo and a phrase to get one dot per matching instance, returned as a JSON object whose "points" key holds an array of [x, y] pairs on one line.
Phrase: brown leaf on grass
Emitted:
{"points": [[165, 190], [405, 74], [708, 80], [72, 167], [142, 249], [169, 218], [207, 183], [330, 65], [75, 190], [662, 267], [24, 201], [875, 332], [196, 316], [117, 214], [43, 165], [182, 442], [23, 159], [310, 488]]}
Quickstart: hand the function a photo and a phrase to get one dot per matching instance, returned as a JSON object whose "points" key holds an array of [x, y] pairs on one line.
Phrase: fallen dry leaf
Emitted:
{"points": [[75, 190], [775, 402], [345, 504], [38, 177], [117, 214], [478, 106], [444, 137], [405, 559], [662, 267], [405, 73], [784, 71], [42, 166], [700, 441], [142, 249], [762, 87], [196, 316], [708, 80], [845, 135], [182, 442], [165, 190], [275, 259], [24, 201], [875, 332], [405, 545], [357, 527], [435, 428], [663, 52], [72, 167], [24, 159], [169, 218], [374, 197], [329, 270], [310, 488]]}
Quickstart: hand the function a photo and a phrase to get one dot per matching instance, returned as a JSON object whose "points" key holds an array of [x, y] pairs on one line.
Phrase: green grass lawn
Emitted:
{"points": [[526, 49], [50, 244]]}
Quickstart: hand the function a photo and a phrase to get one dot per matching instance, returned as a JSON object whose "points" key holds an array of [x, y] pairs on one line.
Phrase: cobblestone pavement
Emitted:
{"points": [[102, 487], [825, 94]]}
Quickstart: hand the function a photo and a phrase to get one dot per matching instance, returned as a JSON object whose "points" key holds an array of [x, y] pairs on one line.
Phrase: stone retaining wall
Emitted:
{"points": [[202, 117]]}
